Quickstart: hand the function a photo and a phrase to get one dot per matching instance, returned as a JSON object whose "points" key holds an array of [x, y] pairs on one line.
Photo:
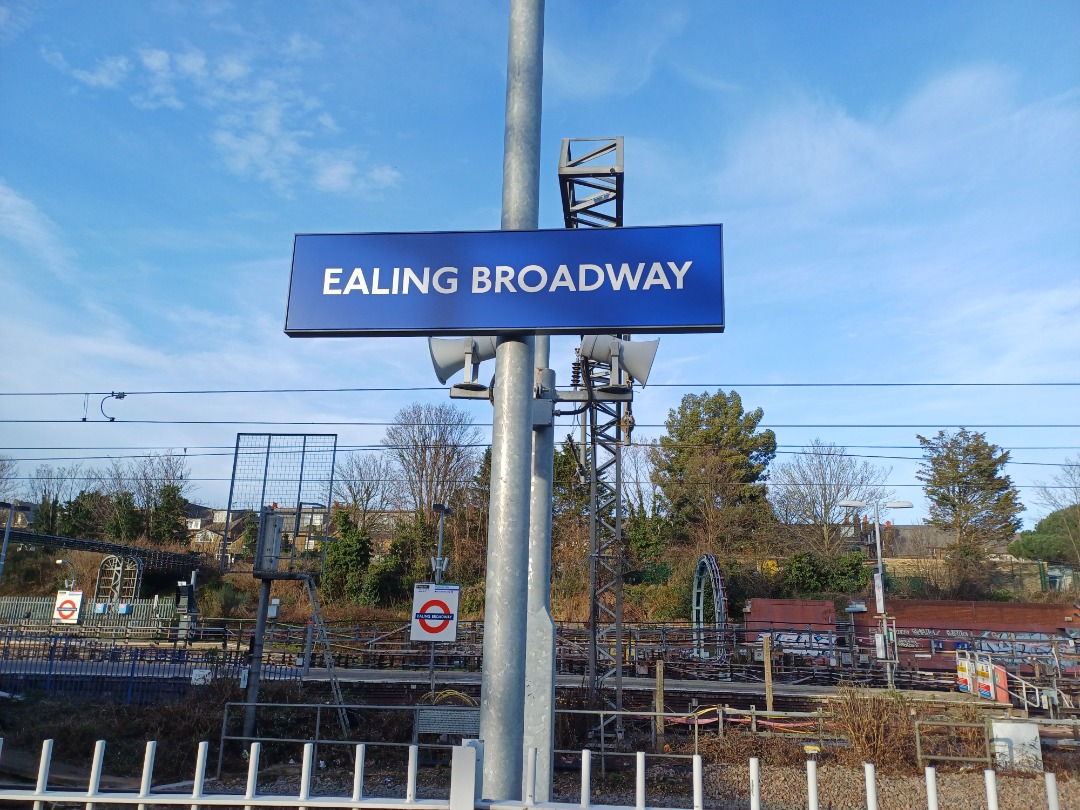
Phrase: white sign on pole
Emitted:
{"points": [[68, 606], [435, 612], [879, 593]]}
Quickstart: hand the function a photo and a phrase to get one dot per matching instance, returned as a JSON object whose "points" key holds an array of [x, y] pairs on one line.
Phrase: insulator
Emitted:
{"points": [[575, 374]]}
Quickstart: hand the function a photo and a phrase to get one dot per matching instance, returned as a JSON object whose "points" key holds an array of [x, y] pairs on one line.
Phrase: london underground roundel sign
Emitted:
{"points": [[67, 607], [434, 613]]}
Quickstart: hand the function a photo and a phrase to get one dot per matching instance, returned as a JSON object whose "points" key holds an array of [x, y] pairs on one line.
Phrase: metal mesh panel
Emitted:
{"points": [[293, 474]]}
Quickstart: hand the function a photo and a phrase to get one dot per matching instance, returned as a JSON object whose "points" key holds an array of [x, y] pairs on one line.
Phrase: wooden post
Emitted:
{"points": [[659, 705], [766, 654]]}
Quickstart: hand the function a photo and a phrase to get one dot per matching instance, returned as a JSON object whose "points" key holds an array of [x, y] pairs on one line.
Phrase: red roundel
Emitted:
{"points": [[434, 606]]}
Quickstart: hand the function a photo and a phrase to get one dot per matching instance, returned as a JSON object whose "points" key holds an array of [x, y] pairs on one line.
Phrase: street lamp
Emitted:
{"points": [[12, 508], [439, 562], [69, 584], [438, 565], [879, 577]]}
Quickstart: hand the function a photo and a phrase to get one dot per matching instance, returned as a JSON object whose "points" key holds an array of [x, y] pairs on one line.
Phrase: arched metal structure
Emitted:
{"points": [[119, 579], [708, 571]]}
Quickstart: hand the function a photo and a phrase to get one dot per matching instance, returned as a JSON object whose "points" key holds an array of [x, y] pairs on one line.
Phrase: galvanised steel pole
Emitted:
{"points": [[502, 697], [889, 678], [540, 650]]}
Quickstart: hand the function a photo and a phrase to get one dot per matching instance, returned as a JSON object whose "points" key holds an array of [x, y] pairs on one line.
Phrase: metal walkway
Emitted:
{"points": [[152, 558]]}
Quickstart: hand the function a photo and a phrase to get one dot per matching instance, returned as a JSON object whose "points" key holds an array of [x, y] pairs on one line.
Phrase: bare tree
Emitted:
{"points": [[435, 452], [806, 493], [637, 466], [9, 472], [146, 477], [1062, 494], [50, 488], [364, 483]]}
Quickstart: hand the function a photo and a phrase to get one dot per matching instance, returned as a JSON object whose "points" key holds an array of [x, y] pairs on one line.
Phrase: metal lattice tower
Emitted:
{"points": [[591, 182], [608, 424]]}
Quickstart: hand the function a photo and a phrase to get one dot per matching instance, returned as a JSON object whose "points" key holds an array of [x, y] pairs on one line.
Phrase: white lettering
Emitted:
{"points": [[331, 278], [532, 268], [504, 275], [583, 286], [421, 283], [623, 274], [357, 282], [375, 288], [656, 277], [448, 287], [679, 273], [562, 279], [481, 279], [532, 278]]}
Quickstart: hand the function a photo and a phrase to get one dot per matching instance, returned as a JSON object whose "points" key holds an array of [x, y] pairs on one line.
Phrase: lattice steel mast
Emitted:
{"points": [[591, 182]]}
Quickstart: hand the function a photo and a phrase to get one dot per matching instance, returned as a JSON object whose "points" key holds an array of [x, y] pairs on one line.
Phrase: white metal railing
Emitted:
{"points": [[466, 785]]}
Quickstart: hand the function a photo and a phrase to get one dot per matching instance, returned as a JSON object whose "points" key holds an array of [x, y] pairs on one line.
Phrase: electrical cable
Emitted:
{"points": [[386, 389]]}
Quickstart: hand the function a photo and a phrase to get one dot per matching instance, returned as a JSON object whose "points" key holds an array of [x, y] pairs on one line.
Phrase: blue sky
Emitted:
{"points": [[899, 186]]}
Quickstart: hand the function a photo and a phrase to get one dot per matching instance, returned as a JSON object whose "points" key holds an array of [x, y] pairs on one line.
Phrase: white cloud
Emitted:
{"points": [[192, 63], [263, 125], [960, 140], [22, 223], [158, 90], [1007, 333], [327, 122], [109, 73], [334, 174], [155, 60], [583, 66], [16, 17], [299, 46], [233, 68], [383, 177]]}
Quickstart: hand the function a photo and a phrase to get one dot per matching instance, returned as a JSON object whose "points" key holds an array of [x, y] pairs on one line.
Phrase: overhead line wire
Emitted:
{"points": [[331, 423], [387, 389]]}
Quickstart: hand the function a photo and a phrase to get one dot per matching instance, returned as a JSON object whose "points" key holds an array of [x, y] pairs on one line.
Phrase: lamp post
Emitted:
{"points": [[438, 565], [438, 562], [12, 508], [879, 580], [69, 584]]}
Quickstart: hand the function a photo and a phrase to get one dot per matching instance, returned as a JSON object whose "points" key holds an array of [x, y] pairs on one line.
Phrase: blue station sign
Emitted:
{"points": [[581, 281]]}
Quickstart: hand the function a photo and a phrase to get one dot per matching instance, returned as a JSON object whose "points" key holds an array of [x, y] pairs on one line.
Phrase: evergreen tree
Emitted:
{"points": [[167, 523], [971, 498], [711, 469], [81, 517], [969, 495], [124, 523], [347, 560], [1056, 539]]}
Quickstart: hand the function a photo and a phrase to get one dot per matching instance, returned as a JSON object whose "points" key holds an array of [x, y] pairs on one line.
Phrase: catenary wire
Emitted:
{"points": [[388, 389]]}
